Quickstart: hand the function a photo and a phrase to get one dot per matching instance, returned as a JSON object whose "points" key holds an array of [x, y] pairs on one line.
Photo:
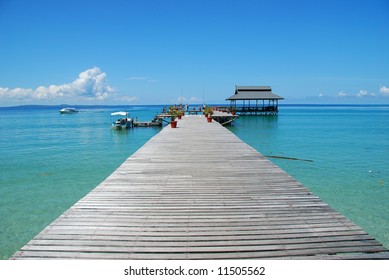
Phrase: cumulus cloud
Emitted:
{"points": [[361, 94], [128, 99], [185, 100], [181, 99], [384, 90], [342, 94], [364, 93], [90, 85], [194, 99]]}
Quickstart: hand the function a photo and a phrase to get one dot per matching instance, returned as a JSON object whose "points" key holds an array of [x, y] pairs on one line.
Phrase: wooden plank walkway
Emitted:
{"points": [[199, 192]]}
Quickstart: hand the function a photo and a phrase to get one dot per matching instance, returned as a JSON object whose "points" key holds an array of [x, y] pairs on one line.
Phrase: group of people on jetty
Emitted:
{"points": [[183, 108]]}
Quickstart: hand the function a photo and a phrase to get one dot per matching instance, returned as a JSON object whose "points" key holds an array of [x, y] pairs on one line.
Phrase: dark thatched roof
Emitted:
{"points": [[254, 93]]}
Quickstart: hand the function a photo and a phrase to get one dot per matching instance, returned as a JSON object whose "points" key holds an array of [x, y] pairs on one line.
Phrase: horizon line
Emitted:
{"points": [[193, 104]]}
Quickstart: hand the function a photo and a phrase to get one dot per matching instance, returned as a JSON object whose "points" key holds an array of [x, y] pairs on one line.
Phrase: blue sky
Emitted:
{"points": [[162, 52]]}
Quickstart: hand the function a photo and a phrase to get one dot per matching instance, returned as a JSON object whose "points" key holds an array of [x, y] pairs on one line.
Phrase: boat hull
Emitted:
{"points": [[68, 111], [122, 124]]}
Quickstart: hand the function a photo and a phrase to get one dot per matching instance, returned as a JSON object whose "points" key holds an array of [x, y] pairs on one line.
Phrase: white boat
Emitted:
{"points": [[68, 111], [123, 122]]}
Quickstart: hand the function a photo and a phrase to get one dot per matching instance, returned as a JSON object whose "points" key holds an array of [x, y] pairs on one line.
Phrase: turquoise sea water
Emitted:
{"points": [[348, 152], [49, 161]]}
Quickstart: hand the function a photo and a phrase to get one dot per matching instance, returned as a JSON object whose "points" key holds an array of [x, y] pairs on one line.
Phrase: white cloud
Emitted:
{"points": [[384, 90], [342, 94], [194, 99], [185, 100], [364, 93], [90, 85], [17, 93], [181, 100], [128, 99]]}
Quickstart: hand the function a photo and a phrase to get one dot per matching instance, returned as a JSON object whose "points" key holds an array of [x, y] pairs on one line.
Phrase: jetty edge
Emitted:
{"points": [[199, 192]]}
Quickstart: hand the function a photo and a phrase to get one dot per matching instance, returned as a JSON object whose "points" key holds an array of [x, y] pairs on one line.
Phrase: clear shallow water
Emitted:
{"points": [[348, 149], [49, 161]]}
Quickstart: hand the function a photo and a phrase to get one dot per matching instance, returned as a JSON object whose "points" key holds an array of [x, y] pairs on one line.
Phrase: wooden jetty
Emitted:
{"points": [[147, 124], [221, 117], [199, 192]]}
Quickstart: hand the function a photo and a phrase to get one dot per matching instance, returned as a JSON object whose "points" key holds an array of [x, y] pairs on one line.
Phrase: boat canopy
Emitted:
{"points": [[119, 113]]}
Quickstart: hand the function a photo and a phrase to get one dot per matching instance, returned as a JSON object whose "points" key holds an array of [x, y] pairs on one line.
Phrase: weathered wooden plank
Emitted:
{"points": [[284, 237], [219, 243], [265, 249]]}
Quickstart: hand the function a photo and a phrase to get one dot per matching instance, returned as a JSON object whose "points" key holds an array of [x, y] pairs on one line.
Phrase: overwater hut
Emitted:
{"points": [[254, 100]]}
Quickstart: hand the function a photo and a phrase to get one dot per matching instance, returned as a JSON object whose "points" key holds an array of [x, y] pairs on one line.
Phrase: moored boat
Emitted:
{"points": [[122, 122], [68, 110]]}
